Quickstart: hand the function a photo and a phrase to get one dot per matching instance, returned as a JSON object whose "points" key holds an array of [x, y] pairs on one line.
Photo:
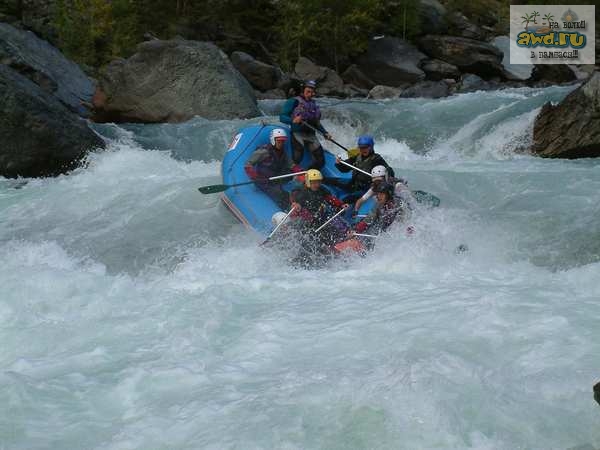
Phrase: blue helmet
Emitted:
{"points": [[365, 141], [310, 84]]}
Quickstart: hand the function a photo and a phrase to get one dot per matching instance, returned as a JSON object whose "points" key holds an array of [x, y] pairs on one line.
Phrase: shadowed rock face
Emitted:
{"points": [[328, 81], [392, 62], [468, 55], [571, 129], [46, 66], [173, 81], [261, 76], [39, 135]]}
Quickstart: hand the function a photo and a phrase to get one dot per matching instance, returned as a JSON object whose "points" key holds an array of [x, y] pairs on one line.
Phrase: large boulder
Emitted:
{"points": [[39, 135], [437, 70], [261, 76], [518, 72], [393, 62], [468, 55], [570, 129], [553, 73], [353, 75], [329, 83], [43, 64], [173, 81], [459, 25]]}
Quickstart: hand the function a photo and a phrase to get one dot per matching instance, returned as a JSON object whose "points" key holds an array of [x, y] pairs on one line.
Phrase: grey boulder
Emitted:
{"points": [[39, 135], [173, 81]]}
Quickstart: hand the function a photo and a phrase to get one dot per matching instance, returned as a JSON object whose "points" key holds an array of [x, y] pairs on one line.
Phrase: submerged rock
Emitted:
{"points": [[381, 92], [39, 135], [570, 129], [173, 81], [427, 89]]}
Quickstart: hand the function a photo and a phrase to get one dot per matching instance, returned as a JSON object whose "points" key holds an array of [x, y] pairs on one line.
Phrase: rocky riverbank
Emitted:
{"points": [[43, 97], [176, 79]]}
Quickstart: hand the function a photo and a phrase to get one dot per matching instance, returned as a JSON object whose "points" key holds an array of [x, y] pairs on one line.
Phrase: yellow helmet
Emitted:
{"points": [[312, 175]]}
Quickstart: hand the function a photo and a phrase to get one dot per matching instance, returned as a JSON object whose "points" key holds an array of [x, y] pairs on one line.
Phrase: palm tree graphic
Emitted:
{"points": [[526, 19], [549, 17]]}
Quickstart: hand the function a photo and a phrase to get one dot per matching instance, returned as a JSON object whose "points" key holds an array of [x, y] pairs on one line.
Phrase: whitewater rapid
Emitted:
{"points": [[136, 313]]}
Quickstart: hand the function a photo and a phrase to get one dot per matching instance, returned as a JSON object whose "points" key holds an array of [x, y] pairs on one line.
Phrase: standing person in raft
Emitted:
{"points": [[270, 160], [297, 110]]}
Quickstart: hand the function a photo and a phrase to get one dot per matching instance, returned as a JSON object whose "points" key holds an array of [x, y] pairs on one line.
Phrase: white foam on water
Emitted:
{"points": [[136, 313]]}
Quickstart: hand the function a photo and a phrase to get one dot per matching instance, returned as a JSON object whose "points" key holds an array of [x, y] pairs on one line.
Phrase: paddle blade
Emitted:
{"points": [[426, 198], [213, 189]]}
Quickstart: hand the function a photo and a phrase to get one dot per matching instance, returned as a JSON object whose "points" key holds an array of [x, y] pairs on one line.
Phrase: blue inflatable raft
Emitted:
{"points": [[248, 203]]}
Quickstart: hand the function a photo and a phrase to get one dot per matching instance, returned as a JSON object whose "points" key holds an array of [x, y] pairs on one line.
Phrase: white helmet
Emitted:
{"points": [[278, 217], [277, 133], [379, 171]]}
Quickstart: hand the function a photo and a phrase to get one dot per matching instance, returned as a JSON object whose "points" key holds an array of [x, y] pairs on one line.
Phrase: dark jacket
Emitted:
{"points": [[267, 161], [360, 181], [313, 203], [382, 216]]}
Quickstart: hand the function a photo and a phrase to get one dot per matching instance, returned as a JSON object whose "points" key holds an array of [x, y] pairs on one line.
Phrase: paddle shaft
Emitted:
{"points": [[280, 223], [330, 219], [213, 189], [353, 167], [329, 139]]}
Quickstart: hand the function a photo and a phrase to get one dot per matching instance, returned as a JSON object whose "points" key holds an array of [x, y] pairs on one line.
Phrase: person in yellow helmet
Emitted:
{"points": [[314, 205], [310, 202]]}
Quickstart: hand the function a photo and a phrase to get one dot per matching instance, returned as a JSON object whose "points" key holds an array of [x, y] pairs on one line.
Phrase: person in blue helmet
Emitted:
{"points": [[302, 113], [366, 160]]}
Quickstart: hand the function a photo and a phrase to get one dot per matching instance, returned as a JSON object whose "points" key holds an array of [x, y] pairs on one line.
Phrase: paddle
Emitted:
{"points": [[213, 189], [426, 198], [278, 225], [330, 219], [329, 139], [353, 167], [420, 196]]}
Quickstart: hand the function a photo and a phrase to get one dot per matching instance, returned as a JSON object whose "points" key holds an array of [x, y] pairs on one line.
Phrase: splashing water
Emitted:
{"points": [[136, 313]]}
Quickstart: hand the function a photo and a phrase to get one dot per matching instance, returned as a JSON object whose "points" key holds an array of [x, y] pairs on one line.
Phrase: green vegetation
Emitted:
{"points": [[331, 32]]}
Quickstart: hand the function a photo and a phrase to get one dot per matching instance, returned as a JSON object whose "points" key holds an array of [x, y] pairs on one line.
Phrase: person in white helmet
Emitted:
{"points": [[401, 191], [271, 160]]}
